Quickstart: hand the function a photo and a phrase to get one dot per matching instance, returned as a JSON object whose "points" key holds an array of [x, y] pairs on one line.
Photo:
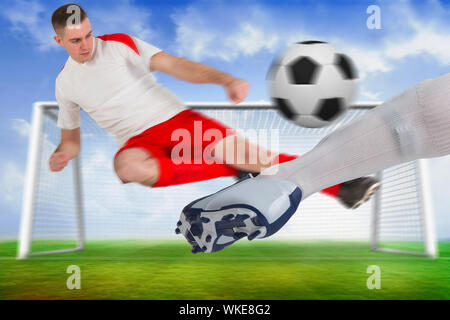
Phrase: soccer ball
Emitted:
{"points": [[312, 83]]}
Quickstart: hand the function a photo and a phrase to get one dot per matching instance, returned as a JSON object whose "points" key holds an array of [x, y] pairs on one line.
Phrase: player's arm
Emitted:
{"points": [[68, 148], [69, 122], [184, 69]]}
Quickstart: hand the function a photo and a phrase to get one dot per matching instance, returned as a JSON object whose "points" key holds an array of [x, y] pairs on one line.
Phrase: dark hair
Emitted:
{"points": [[60, 18]]}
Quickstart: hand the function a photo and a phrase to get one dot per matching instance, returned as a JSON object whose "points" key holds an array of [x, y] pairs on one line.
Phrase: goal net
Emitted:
{"points": [[87, 201]]}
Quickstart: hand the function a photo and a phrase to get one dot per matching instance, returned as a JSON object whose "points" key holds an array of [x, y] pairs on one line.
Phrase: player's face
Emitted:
{"points": [[78, 41]]}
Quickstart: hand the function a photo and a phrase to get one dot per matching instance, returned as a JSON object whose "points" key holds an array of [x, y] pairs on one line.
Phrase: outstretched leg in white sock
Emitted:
{"points": [[412, 125]]}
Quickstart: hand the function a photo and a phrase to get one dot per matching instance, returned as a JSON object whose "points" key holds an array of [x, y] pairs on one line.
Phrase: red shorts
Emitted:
{"points": [[162, 139]]}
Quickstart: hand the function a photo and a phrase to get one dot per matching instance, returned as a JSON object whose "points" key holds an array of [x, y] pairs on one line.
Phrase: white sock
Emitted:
{"points": [[412, 125]]}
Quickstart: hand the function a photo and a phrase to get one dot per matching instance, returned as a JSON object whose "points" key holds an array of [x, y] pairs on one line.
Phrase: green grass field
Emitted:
{"points": [[261, 269]]}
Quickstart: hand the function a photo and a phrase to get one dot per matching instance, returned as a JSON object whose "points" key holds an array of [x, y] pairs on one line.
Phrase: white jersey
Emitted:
{"points": [[116, 88]]}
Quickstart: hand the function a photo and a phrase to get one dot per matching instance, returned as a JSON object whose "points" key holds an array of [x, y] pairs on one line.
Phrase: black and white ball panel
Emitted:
{"points": [[331, 84], [302, 99], [303, 70], [346, 67], [312, 83], [329, 109]]}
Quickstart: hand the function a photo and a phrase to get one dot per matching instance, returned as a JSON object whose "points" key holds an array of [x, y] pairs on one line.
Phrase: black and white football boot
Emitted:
{"points": [[252, 208], [355, 192], [241, 175]]}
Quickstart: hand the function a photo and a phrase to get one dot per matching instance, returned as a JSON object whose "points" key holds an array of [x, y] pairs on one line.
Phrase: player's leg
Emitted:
{"points": [[412, 125], [136, 165], [249, 208], [236, 151], [153, 168], [247, 157]]}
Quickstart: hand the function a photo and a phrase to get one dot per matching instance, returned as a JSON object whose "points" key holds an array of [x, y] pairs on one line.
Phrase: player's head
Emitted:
{"points": [[73, 31]]}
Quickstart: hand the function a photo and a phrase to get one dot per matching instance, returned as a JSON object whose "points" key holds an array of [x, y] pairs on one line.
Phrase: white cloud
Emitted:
{"points": [[426, 40], [122, 17], [29, 19], [224, 33], [11, 183], [417, 36], [369, 94], [250, 39], [21, 126], [367, 61]]}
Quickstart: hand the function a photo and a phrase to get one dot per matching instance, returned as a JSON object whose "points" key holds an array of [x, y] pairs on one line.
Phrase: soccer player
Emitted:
{"points": [[111, 78], [412, 125]]}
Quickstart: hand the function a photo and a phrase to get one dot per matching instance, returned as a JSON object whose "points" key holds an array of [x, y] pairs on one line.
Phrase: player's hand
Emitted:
{"points": [[58, 161], [237, 90]]}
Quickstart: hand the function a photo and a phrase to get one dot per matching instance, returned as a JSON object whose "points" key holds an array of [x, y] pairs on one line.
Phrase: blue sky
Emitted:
{"points": [[239, 37]]}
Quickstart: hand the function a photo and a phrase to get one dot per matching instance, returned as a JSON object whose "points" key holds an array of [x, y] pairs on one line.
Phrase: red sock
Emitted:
{"points": [[332, 191], [283, 157]]}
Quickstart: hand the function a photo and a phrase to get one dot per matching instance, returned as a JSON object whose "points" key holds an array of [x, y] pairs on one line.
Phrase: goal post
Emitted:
{"points": [[426, 217], [31, 188], [87, 201]]}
